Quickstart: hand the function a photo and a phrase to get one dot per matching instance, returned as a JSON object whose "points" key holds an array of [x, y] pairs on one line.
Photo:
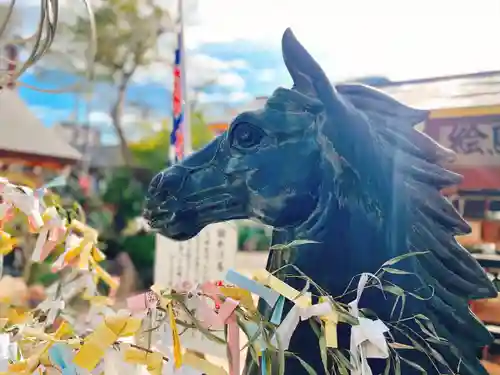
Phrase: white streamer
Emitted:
{"points": [[367, 338], [51, 308], [289, 324]]}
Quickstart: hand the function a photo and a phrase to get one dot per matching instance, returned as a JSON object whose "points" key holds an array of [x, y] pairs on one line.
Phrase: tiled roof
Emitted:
{"points": [[21, 131]]}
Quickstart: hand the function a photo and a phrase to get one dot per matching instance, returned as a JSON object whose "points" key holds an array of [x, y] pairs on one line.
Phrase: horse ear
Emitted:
{"points": [[308, 77]]}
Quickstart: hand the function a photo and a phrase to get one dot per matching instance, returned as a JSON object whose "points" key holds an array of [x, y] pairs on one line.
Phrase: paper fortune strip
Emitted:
{"points": [[218, 319], [269, 295], [324, 310], [61, 356], [52, 308], [282, 288], [23, 199], [29, 365], [51, 233], [7, 243], [96, 344], [152, 361], [367, 338]]}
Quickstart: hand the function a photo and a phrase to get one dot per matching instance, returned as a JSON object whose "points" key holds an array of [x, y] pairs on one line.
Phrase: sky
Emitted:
{"points": [[238, 43]]}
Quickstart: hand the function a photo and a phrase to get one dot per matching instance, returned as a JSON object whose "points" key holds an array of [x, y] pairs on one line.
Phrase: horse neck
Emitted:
{"points": [[350, 241]]}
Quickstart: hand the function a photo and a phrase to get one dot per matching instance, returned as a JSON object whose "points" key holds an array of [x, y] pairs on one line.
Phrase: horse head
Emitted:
{"points": [[266, 166], [342, 165]]}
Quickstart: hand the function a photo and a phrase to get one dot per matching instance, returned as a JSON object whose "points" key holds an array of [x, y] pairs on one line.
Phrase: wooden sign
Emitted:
{"points": [[476, 141], [203, 258]]}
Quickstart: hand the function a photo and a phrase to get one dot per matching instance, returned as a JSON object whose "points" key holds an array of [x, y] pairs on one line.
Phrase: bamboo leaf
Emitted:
{"points": [[398, 345], [343, 359], [442, 341], [304, 364], [396, 271], [322, 348], [387, 369], [393, 310], [294, 243], [403, 304], [281, 357], [414, 365], [425, 330], [397, 365], [420, 316], [394, 289], [414, 295], [399, 258]]}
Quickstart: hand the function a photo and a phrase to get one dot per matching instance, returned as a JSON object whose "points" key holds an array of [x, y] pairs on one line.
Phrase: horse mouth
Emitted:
{"points": [[185, 223]]}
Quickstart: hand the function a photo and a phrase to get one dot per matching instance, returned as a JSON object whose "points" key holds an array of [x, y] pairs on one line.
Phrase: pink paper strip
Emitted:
{"points": [[211, 318], [233, 345], [137, 303], [212, 291], [141, 302], [217, 319]]}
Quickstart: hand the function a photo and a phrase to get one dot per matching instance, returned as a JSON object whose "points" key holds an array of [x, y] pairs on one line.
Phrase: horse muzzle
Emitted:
{"points": [[188, 196]]}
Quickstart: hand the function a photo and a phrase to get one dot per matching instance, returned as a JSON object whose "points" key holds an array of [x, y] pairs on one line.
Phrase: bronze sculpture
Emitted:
{"points": [[343, 166]]}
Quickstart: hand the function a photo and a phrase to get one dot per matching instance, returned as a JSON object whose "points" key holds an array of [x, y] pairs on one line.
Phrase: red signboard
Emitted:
{"points": [[476, 142]]}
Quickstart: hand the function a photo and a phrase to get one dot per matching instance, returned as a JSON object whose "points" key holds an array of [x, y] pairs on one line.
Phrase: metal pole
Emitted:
{"points": [[86, 127], [186, 126]]}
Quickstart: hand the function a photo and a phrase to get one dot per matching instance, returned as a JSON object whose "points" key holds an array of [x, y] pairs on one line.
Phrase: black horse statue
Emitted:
{"points": [[344, 167]]}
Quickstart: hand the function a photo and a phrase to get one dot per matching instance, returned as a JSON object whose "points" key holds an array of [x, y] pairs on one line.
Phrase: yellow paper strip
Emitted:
{"points": [[17, 315], [87, 232], [29, 365], [331, 320], [202, 365], [104, 276], [7, 243], [103, 337], [98, 255], [153, 361], [157, 289], [239, 294], [85, 254], [175, 337], [282, 288]]}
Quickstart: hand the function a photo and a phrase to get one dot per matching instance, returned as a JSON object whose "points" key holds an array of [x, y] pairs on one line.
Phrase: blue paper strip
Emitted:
{"points": [[263, 363], [59, 355], [278, 311], [267, 294]]}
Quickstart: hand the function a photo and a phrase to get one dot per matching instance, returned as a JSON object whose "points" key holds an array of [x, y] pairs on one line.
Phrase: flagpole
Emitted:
{"points": [[186, 126]]}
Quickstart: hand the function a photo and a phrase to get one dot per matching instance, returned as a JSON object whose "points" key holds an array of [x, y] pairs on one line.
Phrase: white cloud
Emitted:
{"points": [[231, 80], [266, 75], [99, 118], [201, 69], [218, 98], [350, 39], [364, 37], [239, 96], [103, 119]]}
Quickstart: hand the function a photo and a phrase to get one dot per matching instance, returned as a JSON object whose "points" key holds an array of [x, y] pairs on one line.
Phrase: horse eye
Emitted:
{"points": [[245, 136]]}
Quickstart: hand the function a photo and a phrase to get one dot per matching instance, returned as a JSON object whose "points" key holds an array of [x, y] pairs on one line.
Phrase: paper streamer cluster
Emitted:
{"points": [[146, 336]]}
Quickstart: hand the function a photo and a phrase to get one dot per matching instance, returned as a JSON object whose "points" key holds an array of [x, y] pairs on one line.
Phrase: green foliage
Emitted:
{"points": [[151, 152], [253, 233], [201, 134]]}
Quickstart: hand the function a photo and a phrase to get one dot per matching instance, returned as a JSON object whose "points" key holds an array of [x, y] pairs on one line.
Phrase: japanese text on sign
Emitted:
{"points": [[474, 144]]}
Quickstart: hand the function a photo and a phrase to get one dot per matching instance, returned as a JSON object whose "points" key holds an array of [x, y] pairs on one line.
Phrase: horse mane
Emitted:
{"points": [[455, 277]]}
